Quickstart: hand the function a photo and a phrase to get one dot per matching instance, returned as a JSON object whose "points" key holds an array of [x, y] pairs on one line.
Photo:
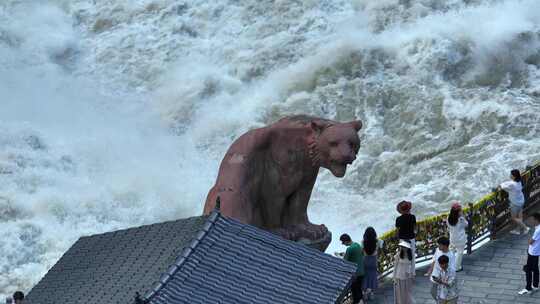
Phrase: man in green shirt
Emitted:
{"points": [[354, 254]]}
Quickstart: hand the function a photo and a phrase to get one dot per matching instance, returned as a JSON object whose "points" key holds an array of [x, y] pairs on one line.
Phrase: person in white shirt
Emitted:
{"points": [[531, 269], [514, 188], [444, 249], [444, 278], [457, 225]]}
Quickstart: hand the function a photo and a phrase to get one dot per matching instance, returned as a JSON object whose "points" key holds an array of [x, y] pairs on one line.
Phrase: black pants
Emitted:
{"points": [[356, 289], [531, 272]]}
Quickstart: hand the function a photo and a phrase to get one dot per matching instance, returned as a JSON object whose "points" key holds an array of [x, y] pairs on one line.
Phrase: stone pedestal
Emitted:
{"points": [[319, 244]]}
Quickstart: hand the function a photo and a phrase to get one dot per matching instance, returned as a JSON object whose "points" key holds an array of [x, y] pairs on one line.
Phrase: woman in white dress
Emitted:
{"points": [[403, 274], [457, 225]]}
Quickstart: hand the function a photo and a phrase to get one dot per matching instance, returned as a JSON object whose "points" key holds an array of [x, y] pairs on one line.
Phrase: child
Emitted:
{"points": [[443, 249], [406, 228], [457, 224], [531, 269], [371, 246], [445, 279], [403, 275], [514, 188]]}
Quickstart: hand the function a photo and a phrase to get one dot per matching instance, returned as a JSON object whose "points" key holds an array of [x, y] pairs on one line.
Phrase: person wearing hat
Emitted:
{"points": [[403, 274], [457, 226], [406, 228]]}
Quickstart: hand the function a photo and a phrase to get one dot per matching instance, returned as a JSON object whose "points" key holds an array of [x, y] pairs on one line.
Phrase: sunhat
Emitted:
{"points": [[405, 244]]}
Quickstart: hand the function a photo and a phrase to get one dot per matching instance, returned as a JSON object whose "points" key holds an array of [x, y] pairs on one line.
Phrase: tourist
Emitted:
{"points": [[514, 188], [354, 254], [444, 278], [531, 268], [403, 274], [406, 227], [18, 297], [457, 225], [371, 246], [443, 249]]}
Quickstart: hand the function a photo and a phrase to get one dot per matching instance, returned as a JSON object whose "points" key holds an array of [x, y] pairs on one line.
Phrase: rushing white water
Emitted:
{"points": [[117, 113]]}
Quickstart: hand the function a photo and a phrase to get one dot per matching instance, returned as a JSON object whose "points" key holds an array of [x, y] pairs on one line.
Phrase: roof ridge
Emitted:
{"points": [[184, 255], [305, 252], [140, 226]]}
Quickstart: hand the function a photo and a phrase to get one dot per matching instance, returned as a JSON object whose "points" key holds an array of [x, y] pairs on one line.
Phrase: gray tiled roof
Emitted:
{"points": [[111, 267], [236, 263], [208, 259]]}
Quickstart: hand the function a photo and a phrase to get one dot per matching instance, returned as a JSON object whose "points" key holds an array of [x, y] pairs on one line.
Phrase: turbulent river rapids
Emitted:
{"points": [[117, 113]]}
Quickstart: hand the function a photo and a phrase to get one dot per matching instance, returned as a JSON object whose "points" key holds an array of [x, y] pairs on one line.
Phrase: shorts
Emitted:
{"points": [[515, 209]]}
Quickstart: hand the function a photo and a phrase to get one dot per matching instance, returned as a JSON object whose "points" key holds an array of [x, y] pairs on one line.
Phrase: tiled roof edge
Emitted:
{"points": [[50, 268], [135, 227], [182, 258], [344, 291]]}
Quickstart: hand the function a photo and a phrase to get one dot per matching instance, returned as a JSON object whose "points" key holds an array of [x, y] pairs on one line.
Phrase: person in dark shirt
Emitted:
{"points": [[406, 227], [354, 254], [18, 297]]}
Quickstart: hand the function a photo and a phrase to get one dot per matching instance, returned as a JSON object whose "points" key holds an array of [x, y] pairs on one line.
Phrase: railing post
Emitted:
{"points": [[493, 222], [470, 228]]}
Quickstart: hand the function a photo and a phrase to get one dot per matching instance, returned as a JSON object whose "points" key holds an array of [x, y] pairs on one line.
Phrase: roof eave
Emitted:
{"points": [[182, 258]]}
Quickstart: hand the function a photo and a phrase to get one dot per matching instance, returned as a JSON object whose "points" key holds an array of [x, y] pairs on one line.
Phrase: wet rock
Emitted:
{"points": [[102, 25], [181, 8], [186, 29], [34, 142], [9, 39], [319, 244], [66, 58], [7, 211]]}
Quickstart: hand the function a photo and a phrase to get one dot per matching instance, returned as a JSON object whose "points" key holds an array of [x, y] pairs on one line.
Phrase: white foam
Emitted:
{"points": [[114, 114]]}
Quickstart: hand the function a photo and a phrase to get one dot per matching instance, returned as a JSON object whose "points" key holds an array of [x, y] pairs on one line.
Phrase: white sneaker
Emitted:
{"points": [[535, 289], [515, 232], [524, 291]]}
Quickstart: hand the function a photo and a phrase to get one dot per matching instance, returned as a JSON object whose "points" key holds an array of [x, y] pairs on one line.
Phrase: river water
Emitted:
{"points": [[117, 113]]}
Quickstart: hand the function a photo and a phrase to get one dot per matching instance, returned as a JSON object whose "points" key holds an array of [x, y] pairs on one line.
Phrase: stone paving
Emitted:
{"points": [[492, 275]]}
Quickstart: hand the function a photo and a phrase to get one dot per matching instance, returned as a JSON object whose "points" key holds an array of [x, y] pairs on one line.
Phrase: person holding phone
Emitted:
{"points": [[354, 254], [444, 277]]}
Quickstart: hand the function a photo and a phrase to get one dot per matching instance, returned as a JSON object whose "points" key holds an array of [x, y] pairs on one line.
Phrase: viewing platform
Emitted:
{"points": [[491, 275], [493, 266]]}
